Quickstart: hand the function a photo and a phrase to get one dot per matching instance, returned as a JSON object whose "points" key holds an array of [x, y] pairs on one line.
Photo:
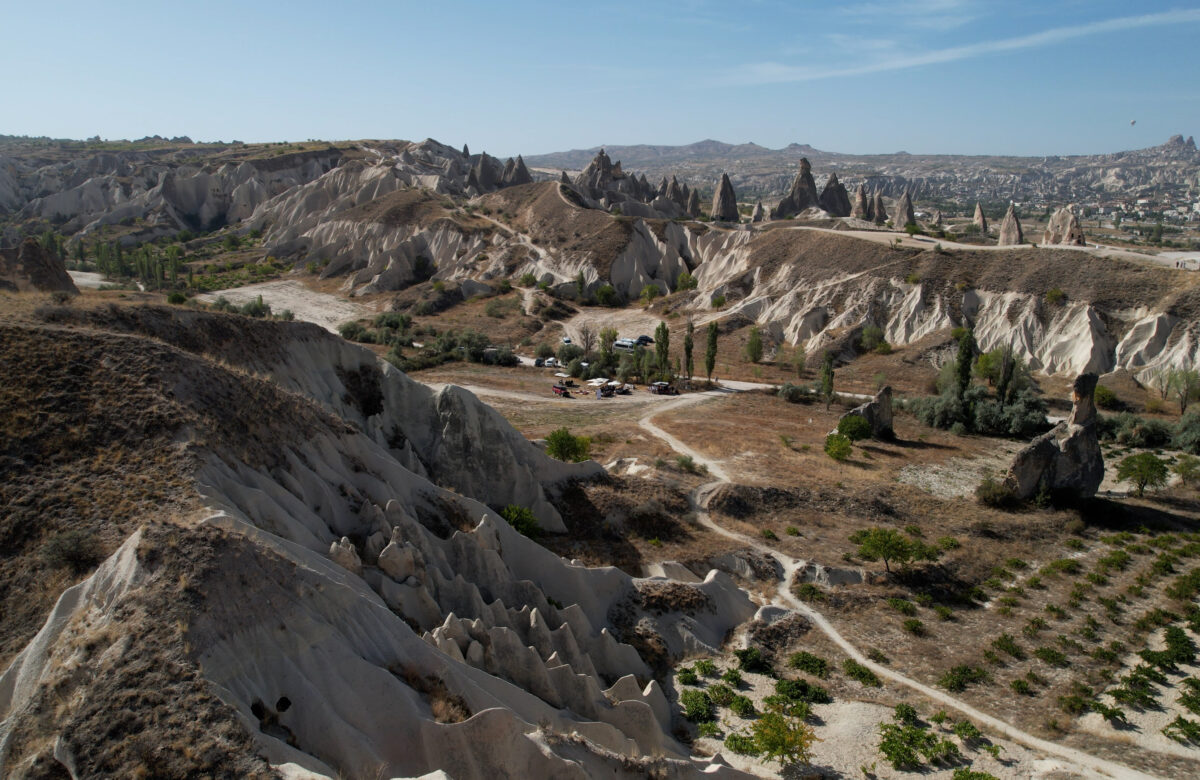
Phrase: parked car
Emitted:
{"points": [[561, 390], [539, 362], [624, 345], [550, 363], [662, 388], [566, 339], [645, 340]]}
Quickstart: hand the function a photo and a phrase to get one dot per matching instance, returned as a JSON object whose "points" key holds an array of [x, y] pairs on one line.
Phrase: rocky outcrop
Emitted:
{"points": [[563, 179], [936, 221], [980, 220], [879, 213], [904, 214], [515, 173], [759, 212], [30, 268], [724, 205], [1010, 228], [1064, 463], [693, 204], [834, 198], [877, 412], [803, 194], [1064, 229], [862, 206]]}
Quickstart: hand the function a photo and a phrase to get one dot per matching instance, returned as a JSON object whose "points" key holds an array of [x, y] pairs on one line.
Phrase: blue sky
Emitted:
{"points": [[865, 76]]}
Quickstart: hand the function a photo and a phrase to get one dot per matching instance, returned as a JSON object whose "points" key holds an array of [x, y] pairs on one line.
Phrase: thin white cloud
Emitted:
{"points": [[779, 73], [929, 14]]}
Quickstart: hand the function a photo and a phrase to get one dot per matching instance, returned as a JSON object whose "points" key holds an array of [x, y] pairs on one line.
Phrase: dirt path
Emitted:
{"points": [[700, 497]]}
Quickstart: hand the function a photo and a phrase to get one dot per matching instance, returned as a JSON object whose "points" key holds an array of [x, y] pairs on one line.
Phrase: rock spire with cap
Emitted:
{"points": [[834, 198], [801, 196], [1010, 228], [980, 219], [724, 205]]}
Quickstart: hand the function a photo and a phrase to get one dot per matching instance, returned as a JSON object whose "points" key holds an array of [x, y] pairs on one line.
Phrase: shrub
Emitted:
{"points": [[769, 535], [794, 394], [528, 279], [560, 444], [720, 694], [1021, 687], [75, 549], [905, 713], [807, 662], [697, 706], [787, 740], [995, 493], [914, 627], [1187, 468], [685, 282], [521, 518], [751, 660], [718, 301], [1006, 644], [1106, 398], [606, 295], [742, 744], [871, 337], [706, 667], [1051, 656], [854, 428], [732, 676], [687, 676], [802, 690], [742, 707], [1055, 296], [709, 729], [903, 606], [856, 671], [959, 677], [176, 297], [809, 592]]}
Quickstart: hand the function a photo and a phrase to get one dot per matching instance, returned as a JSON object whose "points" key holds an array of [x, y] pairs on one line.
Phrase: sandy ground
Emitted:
{"points": [[86, 279], [324, 309]]}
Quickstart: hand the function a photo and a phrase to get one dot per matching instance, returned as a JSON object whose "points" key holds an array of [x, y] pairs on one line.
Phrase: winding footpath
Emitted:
{"points": [[1085, 761]]}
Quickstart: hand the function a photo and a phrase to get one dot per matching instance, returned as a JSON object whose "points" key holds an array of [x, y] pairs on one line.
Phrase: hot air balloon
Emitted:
{"points": [[1132, 122]]}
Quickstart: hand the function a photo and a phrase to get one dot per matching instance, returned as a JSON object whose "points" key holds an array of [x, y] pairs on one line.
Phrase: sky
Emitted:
{"points": [[861, 76]]}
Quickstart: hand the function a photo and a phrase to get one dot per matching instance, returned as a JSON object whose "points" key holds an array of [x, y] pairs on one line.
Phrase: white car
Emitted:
{"points": [[566, 339], [550, 362]]}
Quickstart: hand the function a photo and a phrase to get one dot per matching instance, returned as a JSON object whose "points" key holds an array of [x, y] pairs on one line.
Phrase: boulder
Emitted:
{"points": [[1064, 229], [758, 213], [32, 269], [877, 412], [980, 219], [1065, 462], [724, 205], [342, 553], [904, 214], [879, 214], [1010, 228], [803, 194], [834, 198], [862, 207]]}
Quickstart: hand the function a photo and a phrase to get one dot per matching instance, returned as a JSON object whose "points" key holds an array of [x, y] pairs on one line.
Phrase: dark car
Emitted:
{"points": [[539, 362], [644, 340]]}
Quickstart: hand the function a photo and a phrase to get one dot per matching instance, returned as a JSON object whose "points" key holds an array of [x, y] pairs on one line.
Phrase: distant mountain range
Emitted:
{"points": [[1170, 171]]}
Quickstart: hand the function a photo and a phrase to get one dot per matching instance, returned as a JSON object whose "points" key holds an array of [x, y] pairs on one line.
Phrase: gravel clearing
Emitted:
{"points": [[324, 309]]}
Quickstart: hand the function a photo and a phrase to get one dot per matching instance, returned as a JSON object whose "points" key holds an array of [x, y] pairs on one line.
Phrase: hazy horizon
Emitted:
{"points": [[922, 76]]}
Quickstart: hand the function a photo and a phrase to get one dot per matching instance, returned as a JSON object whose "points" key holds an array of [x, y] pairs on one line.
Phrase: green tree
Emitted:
{"points": [[662, 348], [521, 518], [1185, 386], [798, 361], [887, 545], [562, 445], [1143, 470], [854, 427], [710, 354], [783, 739], [687, 348], [607, 337], [1187, 467], [826, 386], [606, 295], [965, 360], [754, 346], [580, 285]]}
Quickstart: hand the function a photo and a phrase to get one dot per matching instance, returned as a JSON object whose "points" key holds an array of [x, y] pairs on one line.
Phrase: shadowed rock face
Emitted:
{"points": [[33, 269], [1064, 229], [1066, 461], [878, 412], [1010, 228], [861, 208], [803, 194], [834, 198], [693, 204], [724, 206]]}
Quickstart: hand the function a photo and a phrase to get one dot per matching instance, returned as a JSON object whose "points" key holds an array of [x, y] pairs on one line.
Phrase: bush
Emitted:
{"points": [[905, 714], [914, 627], [807, 662], [802, 690], [685, 282], [742, 707], [522, 519], [718, 301], [1187, 468], [697, 706], [751, 660], [1107, 399], [959, 677], [871, 338], [606, 295], [721, 695], [1134, 431], [1187, 432], [705, 667], [687, 676], [837, 446], [787, 740], [176, 297], [856, 671], [854, 428], [742, 744], [732, 677], [794, 394], [996, 494], [561, 445], [75, 549], [1055, 296], [528, 279]]}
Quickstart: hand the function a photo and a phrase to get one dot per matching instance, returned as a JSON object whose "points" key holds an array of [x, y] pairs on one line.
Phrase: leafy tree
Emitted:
{"points": [[688, 344], [662, 346], [608, 337], [710, 354], [581, 285], [649, 293], [606, 295], [1187, 467], [871, 338], [783, 739], [1185, 386], [826, 385], [854, 427], [887, 545], [562, 445], [754, 347], [798, 360], [587, 338], [685, 282], [1143, 470]]}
